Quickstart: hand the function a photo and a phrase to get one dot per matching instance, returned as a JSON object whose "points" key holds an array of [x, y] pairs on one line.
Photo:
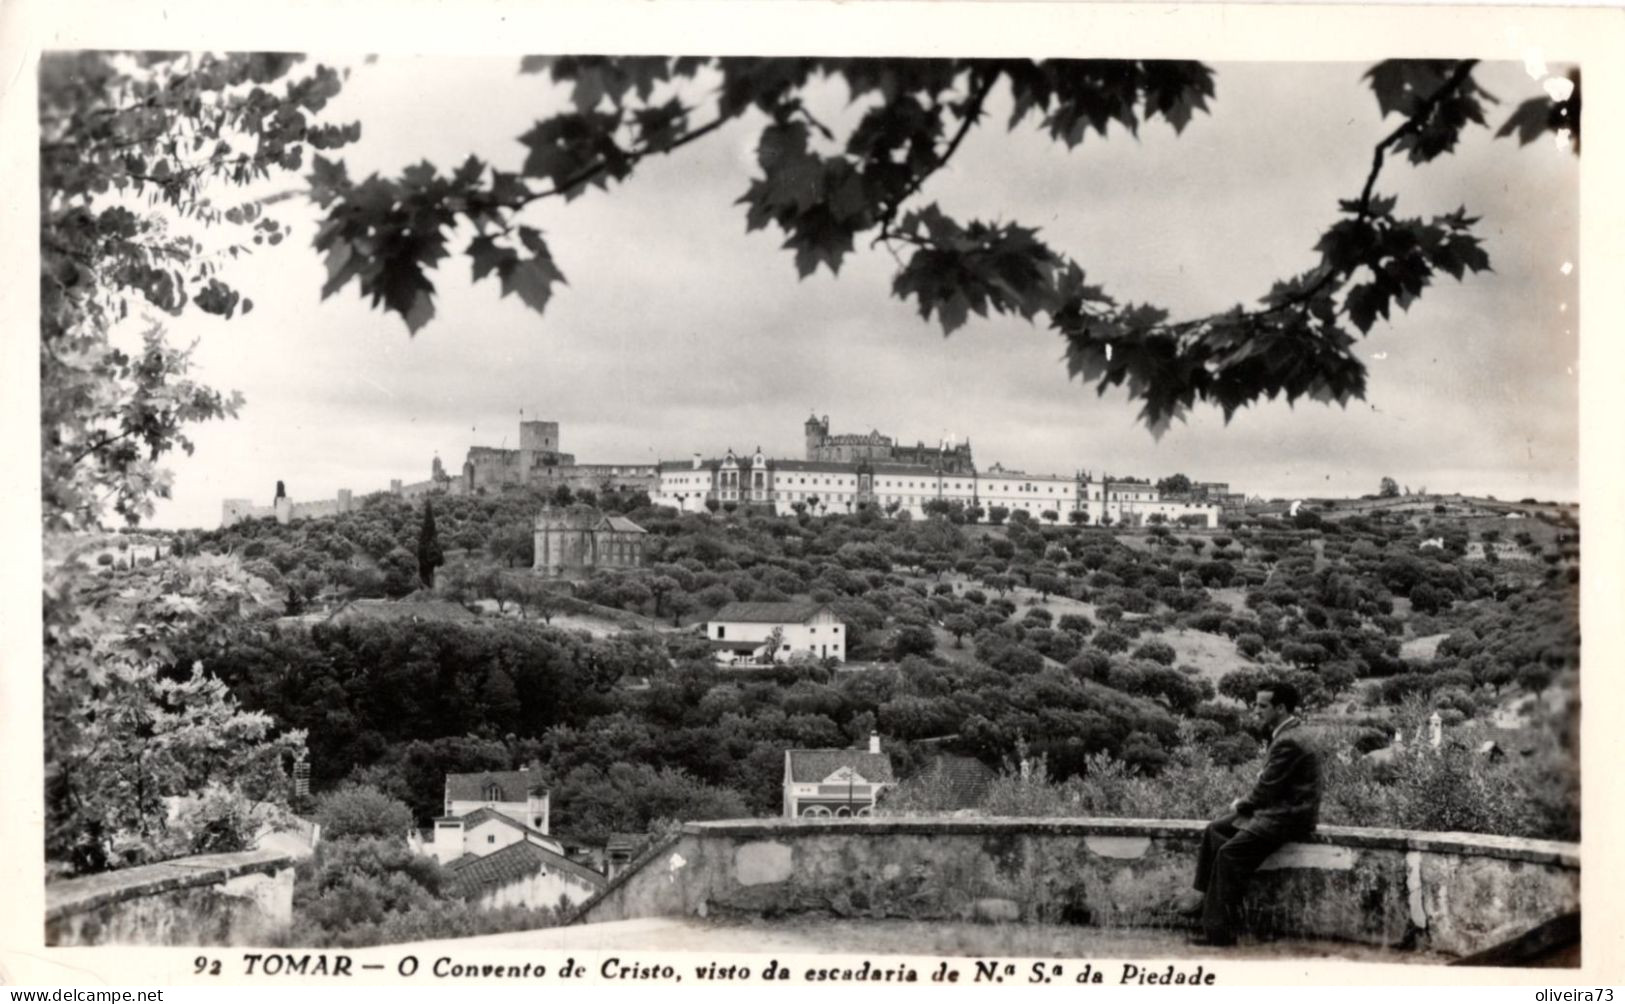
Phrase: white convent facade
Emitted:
{"points": [[822, 487]]}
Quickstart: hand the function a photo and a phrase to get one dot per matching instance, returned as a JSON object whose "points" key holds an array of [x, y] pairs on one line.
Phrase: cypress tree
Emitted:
{"points": [[430, 555]]}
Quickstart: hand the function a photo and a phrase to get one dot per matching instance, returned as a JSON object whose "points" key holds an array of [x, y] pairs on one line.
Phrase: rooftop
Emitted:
{"points": [[583, 517], [512, 785], [768, 613], [514, 862], [811, 766], [965, 778]]}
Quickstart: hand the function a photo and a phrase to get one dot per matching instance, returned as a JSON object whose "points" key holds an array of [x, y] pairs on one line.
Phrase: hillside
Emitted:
{"points": [[1049, 643]]}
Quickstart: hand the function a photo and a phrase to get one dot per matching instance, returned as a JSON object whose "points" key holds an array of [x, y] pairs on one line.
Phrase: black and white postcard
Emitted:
{"points": [[790, 493]]}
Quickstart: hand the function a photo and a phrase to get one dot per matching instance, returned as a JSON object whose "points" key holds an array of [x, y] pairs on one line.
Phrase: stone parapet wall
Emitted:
{"points": [[1447, 893], [212, 899]]}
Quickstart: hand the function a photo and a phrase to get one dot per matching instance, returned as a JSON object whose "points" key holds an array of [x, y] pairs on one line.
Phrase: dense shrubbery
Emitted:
{"points": [[375, 891], [971, 656], [1449, 789], [357, 811]]}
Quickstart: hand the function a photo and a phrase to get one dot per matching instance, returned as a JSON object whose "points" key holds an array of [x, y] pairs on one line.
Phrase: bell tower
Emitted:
{"points": [[817, 432]]}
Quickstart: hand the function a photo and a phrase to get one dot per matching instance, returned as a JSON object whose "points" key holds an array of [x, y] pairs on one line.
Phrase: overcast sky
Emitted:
{"points": [[679, 332]]}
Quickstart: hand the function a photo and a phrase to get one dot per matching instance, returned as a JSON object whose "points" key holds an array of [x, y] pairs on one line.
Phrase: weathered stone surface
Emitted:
{"points": [[215, 899], [760, 862], [1473, 903], [1311, 856], [996, 911], [1385, 888], [1119, 847]]}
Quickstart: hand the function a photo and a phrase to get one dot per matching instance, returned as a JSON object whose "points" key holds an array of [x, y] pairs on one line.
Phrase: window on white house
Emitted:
{"points": [[490, 838]]}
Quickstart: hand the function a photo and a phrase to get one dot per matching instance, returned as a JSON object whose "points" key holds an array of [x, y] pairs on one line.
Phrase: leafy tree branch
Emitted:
{"points": [[387, 235]]}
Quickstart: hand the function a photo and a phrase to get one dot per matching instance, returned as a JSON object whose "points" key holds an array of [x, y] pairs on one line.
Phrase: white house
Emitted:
{"points": [[835, 783], [494, 840], [491, 810], [482, 832], [517, 794], [744, 632]]}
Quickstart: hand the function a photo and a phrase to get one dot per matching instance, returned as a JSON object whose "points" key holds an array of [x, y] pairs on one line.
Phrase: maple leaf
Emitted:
{"points": [[421, 311], [1529, 120], [532, 279], [1364, 303], [487, 256]]}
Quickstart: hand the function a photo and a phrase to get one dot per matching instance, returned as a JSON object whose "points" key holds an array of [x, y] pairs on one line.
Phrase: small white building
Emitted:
{"points": [[835, 783], [483, 832], [744, 632], [494, 840]]}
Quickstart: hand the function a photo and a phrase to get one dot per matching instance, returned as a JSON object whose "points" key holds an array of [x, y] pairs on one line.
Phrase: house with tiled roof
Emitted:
{"points": [[760, 633], [519, 794], [524, 874], [486, 811], [482, 832], [826, 783]]}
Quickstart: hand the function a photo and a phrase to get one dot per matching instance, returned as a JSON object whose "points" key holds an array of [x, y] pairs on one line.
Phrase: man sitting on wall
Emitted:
{"points": [[1283, 806]]}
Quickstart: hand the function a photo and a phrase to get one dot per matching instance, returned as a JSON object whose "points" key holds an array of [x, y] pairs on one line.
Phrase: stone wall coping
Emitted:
{"points": [[622, 877], [78, 895], [1564, 855]]}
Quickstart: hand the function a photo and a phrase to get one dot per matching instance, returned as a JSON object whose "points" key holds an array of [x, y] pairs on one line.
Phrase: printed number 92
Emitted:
{"points": [[205, 966]]}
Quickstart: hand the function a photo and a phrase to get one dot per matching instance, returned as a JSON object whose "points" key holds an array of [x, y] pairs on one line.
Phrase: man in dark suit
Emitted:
{"points": [[1284, 805]]}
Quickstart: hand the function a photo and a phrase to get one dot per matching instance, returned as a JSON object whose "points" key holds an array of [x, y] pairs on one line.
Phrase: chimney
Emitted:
{"points": [[696, 461], [874, 742]]}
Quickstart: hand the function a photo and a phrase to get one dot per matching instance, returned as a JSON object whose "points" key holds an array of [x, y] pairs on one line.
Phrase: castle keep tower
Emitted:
{"points": [[539, 437]]}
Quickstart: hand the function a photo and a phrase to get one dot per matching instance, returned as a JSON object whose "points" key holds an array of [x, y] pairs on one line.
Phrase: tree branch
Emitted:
{"points": [[1413, 124], [973, 112], [1379, 155], [633, 157], [106, 441]]}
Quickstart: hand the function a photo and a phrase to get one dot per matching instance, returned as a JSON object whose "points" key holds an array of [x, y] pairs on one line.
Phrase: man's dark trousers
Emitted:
{"points": [[1229, 857]]}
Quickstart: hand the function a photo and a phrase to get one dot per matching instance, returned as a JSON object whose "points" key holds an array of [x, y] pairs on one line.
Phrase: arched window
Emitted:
{"points": [[842, 812], [815, 810], [492, 792], [865, 811]]}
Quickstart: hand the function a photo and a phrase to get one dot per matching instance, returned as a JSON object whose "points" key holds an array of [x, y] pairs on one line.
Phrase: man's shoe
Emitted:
{"points": [[1210, 941]]}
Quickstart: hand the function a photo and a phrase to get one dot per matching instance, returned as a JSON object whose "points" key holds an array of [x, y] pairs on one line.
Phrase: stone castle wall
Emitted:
{"points": [[285, 510], [538, 462], [848, 447]]}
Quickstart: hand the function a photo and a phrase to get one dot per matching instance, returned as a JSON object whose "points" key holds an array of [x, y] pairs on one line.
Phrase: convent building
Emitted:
{"points": [[843, 474]]}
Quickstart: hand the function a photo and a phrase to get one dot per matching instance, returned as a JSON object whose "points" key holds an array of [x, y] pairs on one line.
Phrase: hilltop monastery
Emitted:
{"points": [[838, 473], [843, 473]]}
